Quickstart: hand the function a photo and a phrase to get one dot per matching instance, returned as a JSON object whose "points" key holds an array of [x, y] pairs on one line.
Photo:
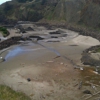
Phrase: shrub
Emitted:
{"points": [[4, 31]]}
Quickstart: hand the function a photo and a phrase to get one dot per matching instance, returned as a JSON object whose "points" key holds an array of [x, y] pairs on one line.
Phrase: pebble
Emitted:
{"points": [[28, 79], [61, 63]]}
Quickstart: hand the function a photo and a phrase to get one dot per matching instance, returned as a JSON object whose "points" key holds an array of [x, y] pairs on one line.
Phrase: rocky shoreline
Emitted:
{"points": [[80, 30], [9, 42], [87, 59]]}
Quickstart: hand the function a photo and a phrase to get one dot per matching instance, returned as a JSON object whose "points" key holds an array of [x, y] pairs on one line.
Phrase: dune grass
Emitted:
{"points": [[6, 93]]}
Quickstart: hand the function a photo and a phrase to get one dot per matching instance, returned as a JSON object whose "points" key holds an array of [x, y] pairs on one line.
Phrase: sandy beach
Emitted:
{"points": [[49, 65]]}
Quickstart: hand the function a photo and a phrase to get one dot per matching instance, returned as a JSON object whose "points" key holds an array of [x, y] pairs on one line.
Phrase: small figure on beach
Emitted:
{"points": [[2, 59]]}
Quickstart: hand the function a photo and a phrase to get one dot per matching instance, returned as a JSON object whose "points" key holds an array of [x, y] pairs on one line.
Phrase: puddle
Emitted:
{"points": [[24, 48], [19, 50], [13, 52]]}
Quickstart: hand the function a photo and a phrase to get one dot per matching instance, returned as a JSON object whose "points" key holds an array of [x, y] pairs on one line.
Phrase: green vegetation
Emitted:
{"points": [[98, 50], [4, 31], [85, 13], [7, 93]]}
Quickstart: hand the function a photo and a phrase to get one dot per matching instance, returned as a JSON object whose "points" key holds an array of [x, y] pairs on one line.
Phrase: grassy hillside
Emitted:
{"points": [[80, 12], [7, 93]]}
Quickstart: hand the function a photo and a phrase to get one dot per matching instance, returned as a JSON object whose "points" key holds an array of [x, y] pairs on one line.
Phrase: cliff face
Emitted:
{"points": [[90, 14], [82, 12]]}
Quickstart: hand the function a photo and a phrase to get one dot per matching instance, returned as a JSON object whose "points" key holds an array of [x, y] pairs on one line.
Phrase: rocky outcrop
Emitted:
{"points": [[9, 42], [86, 56]]}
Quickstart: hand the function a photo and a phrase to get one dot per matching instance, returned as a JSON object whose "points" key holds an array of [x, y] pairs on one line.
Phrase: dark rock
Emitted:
{"points": [[38, 37], [57, 32], [87, 92], [3, 59], [9, 42], [29, 29], [54, 37], [28, 79]]}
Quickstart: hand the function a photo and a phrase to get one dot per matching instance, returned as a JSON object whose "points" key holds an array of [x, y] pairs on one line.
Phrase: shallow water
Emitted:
{"points": [[19, 50], [13, 52]]}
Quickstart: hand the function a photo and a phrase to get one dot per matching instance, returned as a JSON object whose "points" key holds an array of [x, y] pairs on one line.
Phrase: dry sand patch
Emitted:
{"points": [[86, 40]]}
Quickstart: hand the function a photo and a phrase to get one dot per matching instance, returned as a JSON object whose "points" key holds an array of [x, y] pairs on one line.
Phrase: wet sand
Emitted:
{"points": [[48, 65]]}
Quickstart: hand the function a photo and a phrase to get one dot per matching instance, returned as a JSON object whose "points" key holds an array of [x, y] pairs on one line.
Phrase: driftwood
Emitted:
{"points": [[96, 85], [92, 95], [80, 85], [93, 86], [85, 95], [98, 98], [56, 57], [75, 85]]}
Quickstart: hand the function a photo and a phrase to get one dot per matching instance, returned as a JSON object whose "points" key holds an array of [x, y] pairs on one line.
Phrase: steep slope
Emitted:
{"points": [[90, 14], [69, 10], [81, 12]]}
